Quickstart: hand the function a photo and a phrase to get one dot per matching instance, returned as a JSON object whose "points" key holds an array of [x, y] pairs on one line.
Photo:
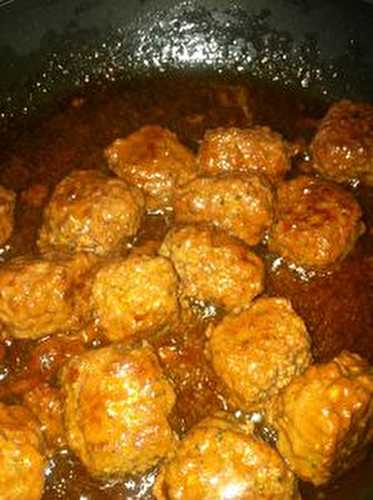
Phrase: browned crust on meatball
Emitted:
{"points": [[213, 268], [39, 297], [135, 296], [7, 204], [240, 205], [91, 212], [153, 159], [342, 148], [117, 401], [220, 458], [316, 222], [324, 418], [21, 459], [234, 150], [258, 352]]}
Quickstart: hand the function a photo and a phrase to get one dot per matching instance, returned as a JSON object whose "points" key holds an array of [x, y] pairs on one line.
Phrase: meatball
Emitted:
{"points": [[240, 205], [324, 418], [37, 297], [45, 402], [316, 222], [7, 204], [154, 160], [136, 295], [259, 351], [116, 406], [342, 148], [213, 268], [257, 149], [220, 459], [21, 459], [91, 212]]}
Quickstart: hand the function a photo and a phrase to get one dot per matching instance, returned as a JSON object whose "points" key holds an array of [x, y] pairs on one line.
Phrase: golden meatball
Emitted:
{"points": [[213, 268], [324, 418], [257, 149], [240, 205], [342, 148], [45, 402], [220, 459], [136, 295], [21, 459], [37, 297], [7, 203], [316, 222], [116, 406], [91, 212], [259, 351], [154, 160]]}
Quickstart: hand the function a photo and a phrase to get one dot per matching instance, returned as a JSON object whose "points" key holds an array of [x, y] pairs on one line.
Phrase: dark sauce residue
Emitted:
{"points": [[336, 306]]}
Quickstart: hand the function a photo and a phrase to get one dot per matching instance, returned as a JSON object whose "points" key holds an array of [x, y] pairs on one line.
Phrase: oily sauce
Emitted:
{"points": [[336, 306]]}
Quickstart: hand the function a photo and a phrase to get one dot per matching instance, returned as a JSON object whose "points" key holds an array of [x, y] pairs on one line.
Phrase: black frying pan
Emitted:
{"points": [[48, 47]]}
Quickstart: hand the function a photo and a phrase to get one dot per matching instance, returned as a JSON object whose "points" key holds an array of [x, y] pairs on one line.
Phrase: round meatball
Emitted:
{"points": [[21, 459], [116, 406], [220, 459], [324, 418], [7, 203], [154, 160], [233, 150], [316, 222], [134, 296], [91, 212], [213, 268], [259, 351], [37, 297], [240, 205], [342, 149]]}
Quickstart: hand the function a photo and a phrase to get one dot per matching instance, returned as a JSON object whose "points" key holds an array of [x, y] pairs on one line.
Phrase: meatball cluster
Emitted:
{"points": [[116, 406], [316, 222], [90, 212], [154, 160], [342, 148], [242, 205], [234, 150], [220, 458], [259, 351], [213, 268]]}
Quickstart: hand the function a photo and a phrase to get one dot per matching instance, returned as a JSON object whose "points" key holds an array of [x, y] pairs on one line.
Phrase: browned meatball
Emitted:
{"points": [[233, 150], [91, 212], [116, 408], [221, 459], [21, 459], [259, 351], [316, 222], [37, 297], [241, 205], [154, 160], [136, 295], [45, 402], [342, 148], [324, 418], [7, 203], [213, 268]]}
